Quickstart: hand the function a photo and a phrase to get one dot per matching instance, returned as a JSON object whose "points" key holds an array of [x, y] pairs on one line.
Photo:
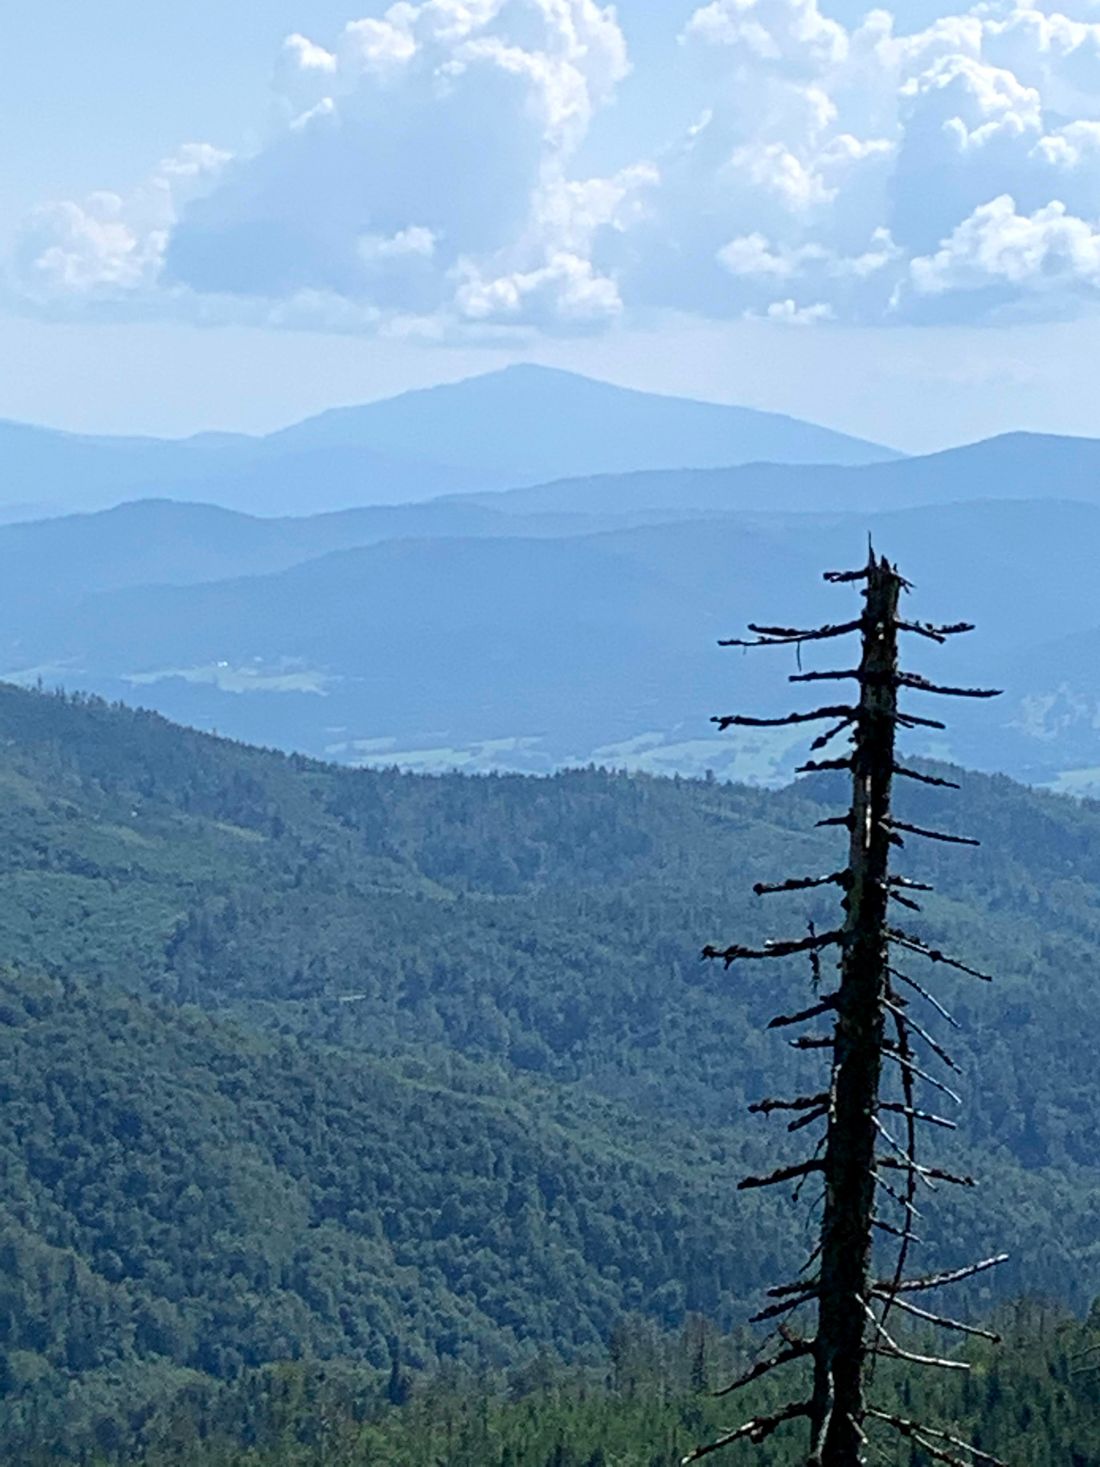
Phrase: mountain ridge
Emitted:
{"points": [[452, 438], [535, 652]]}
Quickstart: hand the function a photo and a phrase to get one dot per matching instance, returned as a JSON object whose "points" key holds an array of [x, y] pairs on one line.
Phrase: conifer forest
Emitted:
{"points": [[550, 733]]}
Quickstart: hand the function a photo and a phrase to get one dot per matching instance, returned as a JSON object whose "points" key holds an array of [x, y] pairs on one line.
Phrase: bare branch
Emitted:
{"points": [[907, 1064], [933, 1044], [922, 685], [777, 949], [738, 720], [935, 633], [918, 1115], [891, 1347], [808, 1119], [801, 883], [938, 1454], [784, 636], [756, 1431], [928, 997], [951, 840], [832, 676], [907, 1162], [905, 1202], [825, 1006], [940, 1319], [914, 720], [903, 901], [804, 1102], [800, 1286], [915, 945], [822, 766], [784, 1174], [940, 1280], [820, 1427], [929, 1173], [932, 779], [894, 1231], [773, 1311], [909, 1428], [905, 1054], [830, 734], [796, 1351]]}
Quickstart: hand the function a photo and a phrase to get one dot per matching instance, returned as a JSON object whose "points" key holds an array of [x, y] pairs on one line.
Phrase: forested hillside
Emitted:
{"points": [[1032, 1399], [311, 1062]]}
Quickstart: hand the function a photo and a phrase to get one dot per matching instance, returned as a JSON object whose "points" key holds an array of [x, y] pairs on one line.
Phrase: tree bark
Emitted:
{"points": [[838, 1405]]}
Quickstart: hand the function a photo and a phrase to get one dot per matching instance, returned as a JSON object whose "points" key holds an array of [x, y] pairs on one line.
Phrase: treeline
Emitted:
{"points": [[1033, 1400]]}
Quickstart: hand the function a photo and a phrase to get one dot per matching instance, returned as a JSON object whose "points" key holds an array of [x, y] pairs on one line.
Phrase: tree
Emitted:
{"points": [[871, 1030]]}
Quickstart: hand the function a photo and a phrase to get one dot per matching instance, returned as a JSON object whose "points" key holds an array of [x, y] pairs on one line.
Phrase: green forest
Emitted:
{"points": [[353, 1116]]}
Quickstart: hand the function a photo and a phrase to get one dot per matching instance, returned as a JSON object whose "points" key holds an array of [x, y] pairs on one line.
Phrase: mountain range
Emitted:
{"points": [[480, 648], [521, 425], [571, 621]]}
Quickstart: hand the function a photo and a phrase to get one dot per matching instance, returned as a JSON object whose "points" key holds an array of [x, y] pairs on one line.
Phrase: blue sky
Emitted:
{"points": [[891, 229]]}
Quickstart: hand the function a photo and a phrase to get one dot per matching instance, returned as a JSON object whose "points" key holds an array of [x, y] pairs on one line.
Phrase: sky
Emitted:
{"points": [[220, 216]]}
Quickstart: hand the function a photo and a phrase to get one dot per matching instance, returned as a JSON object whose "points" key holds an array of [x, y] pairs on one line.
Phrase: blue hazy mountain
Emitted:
{"points": [[43, 471], [1011, 466], [531, 423], [493, 651], [513, 427], [174, 542]]}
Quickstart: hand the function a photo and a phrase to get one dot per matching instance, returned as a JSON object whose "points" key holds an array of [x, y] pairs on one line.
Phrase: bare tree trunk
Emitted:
{"points": [[853, 1308], [847, 1228]]}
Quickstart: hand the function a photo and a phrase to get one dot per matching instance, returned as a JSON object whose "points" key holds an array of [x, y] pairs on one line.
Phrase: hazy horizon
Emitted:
{"points": [[883, 223]]}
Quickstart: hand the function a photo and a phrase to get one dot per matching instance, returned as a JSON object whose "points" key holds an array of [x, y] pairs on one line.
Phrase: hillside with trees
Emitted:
{"points": [[319, 1065]]}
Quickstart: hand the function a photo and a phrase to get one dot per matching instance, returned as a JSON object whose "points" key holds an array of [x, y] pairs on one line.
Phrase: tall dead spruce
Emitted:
{"points": [[867, 1156]]}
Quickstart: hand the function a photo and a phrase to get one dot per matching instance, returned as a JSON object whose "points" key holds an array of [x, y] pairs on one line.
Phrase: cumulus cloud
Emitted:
{"points": [[420, 172], [997, 247], [106, 245], [424, 177], [868, 169]]}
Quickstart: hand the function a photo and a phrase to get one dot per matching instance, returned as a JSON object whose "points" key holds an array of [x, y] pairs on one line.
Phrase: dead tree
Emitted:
{"points": [[870, 1175]]}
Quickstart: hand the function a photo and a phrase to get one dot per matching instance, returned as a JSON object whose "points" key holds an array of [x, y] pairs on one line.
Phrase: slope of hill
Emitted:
{"points": [[44, 563], [484, 651], [186, 1201], [325, 1057], [1013, 466], [43, 471]]}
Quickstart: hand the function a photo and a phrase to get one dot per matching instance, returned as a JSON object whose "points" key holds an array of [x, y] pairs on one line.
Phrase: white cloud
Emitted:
{"points": [[790, 313], [998, 247], [836, 159], [422, 171], [752, 254], [106, 245], [565, 291], [424, 177], [787, 33]]}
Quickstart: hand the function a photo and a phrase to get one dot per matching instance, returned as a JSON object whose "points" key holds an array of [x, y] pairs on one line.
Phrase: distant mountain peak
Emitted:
{"points": [[532, 423], [520, 425]]}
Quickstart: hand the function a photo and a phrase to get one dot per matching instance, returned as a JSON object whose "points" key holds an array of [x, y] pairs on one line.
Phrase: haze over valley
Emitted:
{"points": [[553, 623]]}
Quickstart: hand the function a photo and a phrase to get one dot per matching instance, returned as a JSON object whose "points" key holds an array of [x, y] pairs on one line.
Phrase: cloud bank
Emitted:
{"points": [[425, 178]]}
